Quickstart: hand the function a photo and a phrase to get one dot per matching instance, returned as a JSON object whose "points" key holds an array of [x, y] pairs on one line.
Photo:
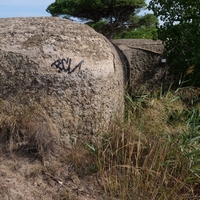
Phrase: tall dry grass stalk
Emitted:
{"points": [[26, 127], [151, 155]]}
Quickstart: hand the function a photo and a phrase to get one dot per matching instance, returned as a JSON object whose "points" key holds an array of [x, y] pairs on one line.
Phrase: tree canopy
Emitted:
{"points": [[180, 33], [117, 13]]}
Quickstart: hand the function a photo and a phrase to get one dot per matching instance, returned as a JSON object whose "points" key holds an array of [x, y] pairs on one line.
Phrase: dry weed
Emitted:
{"points": [[27, 128], [144, 157]]}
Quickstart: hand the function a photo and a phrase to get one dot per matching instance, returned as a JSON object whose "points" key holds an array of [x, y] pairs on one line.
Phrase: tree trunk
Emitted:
{"points": [[111, 28]]}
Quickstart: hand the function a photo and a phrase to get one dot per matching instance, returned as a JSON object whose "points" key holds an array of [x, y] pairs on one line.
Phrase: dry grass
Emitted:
{"points": [[151, 155], [26, 127]]}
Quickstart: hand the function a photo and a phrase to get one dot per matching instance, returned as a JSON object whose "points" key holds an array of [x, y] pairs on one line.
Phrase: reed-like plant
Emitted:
{"points": [[154, 153]]}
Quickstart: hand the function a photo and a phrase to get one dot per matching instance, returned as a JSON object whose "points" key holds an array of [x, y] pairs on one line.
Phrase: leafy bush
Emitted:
{"points": [[181, 35], [144, 32]]}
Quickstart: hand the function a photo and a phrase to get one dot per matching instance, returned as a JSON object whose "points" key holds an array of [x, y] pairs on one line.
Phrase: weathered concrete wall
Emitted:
{"points": [[34, 67], [146, 72]]}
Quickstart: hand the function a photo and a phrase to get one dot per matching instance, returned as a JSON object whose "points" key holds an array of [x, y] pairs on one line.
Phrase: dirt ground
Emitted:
{"points": [[24, 177]]}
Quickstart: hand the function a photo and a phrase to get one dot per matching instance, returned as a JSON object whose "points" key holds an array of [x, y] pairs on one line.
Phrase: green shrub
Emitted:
{"points": [[144, 32]]}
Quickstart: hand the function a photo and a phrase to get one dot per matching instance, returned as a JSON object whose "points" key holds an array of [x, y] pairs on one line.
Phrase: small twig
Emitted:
{"points": [[57, 180]]}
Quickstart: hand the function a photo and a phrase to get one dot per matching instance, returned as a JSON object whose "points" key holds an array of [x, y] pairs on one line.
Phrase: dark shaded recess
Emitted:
{"points": [[126, 65]]}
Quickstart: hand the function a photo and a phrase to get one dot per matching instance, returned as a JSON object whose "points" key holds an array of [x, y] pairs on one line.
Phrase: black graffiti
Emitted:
{"points": [[60, 65]]}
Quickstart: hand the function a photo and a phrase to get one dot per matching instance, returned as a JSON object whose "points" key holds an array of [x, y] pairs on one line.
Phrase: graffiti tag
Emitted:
{"points": [[65, 65]]}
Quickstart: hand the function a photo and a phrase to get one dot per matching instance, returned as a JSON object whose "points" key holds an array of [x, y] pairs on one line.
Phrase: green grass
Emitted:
{"points": [[155, 152]]}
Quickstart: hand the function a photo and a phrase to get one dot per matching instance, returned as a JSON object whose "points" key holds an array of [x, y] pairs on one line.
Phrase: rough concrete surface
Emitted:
{"points": [[81, 95], [34, 70], [146, 71]]}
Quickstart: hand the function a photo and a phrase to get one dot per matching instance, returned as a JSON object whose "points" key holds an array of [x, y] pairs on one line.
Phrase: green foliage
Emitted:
{"points": [[147, 20], [144, 32], [140, 27], [180, 33], [96, 10], [116, 12]]}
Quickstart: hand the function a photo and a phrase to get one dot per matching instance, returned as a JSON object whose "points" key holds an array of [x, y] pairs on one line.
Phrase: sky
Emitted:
{"points": [[28, 8], [24, 8]]}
